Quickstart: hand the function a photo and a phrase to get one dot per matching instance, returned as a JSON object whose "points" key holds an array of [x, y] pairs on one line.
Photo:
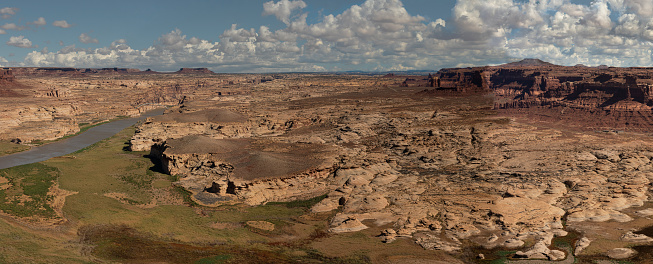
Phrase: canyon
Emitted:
{"points": [[467, 162]]}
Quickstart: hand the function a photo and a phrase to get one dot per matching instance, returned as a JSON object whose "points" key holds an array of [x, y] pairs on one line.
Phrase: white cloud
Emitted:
{"points": [[39, 22], [85, 38], [378, 34], [11, 26], [61, 24], [7, 12], [2, 32], [282, 9], [643, 8], [20, 42], [382, 35]]}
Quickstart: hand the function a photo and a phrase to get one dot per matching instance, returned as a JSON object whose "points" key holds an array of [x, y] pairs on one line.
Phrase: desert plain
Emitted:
{"points": [[526, 162]]}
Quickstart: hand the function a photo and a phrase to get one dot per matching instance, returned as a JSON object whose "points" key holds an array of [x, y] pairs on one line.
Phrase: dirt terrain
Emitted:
{"points": [[477, 165]]}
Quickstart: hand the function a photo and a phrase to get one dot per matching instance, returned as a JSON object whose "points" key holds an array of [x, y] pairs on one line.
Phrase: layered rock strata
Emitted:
{"points": [[614, 98]]}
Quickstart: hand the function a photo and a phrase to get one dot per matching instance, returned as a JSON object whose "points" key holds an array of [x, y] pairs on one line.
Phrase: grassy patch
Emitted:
{"points": [[28, 194], [7, 148], [111, 184], [161, 184], [186, 196], [105, 168], [125, 244], [21, 246]]}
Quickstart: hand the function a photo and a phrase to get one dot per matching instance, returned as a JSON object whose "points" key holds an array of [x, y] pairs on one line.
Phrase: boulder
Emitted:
{"points": [[621, 253], [636, 238], [581, 244], [349, 225]]}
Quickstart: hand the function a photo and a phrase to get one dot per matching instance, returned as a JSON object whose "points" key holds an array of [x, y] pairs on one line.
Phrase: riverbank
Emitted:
{"points": [[7, 148], [65, 146]]}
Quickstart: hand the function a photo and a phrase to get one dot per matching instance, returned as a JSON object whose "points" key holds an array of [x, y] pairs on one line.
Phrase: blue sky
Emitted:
{"points": [[141, 22], [315, 35]]}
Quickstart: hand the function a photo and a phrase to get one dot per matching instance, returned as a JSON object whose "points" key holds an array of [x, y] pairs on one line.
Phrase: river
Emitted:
{"points": [[72, 144]]}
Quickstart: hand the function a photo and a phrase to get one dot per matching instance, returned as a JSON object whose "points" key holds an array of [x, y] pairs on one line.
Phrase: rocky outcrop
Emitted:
{"points": [[218, 170], [581, 245], [541, 251], [615, 98], [37, 122], [621, 253], [8, 84], [216, 123]]}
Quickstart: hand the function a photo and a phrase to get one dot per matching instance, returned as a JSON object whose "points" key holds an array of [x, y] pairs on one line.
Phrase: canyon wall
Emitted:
{"points": [[590, 97]]}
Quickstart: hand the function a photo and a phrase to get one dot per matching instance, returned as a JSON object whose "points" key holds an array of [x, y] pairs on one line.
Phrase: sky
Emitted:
{"points": [[323, 36]]}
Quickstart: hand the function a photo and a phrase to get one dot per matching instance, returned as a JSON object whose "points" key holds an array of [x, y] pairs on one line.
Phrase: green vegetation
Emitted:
{"points": [[21, 246], [7, 148], [122, 243], [130, 213], [27, 192]]}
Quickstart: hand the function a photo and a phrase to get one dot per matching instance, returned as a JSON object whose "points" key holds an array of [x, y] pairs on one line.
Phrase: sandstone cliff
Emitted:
{"points": [[614, 98], [8, 84]]}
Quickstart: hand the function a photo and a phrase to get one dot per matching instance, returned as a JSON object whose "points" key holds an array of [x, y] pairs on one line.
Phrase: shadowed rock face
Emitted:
{"points": [[616, 98], [7, 83]]}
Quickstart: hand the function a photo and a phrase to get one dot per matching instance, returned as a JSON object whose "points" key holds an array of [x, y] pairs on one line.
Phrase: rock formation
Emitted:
{"points": [[8, 83], [614, 98], [441, 170]]}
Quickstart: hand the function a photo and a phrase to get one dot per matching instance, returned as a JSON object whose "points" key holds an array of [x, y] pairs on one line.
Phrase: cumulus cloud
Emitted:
{"points": [[282, 9], [39, 22], [383, 35], [643, 8], [61, 24], [7, 12], [85, 38], [2, 32], [20, 42], [11, 26], [376, 35]]}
